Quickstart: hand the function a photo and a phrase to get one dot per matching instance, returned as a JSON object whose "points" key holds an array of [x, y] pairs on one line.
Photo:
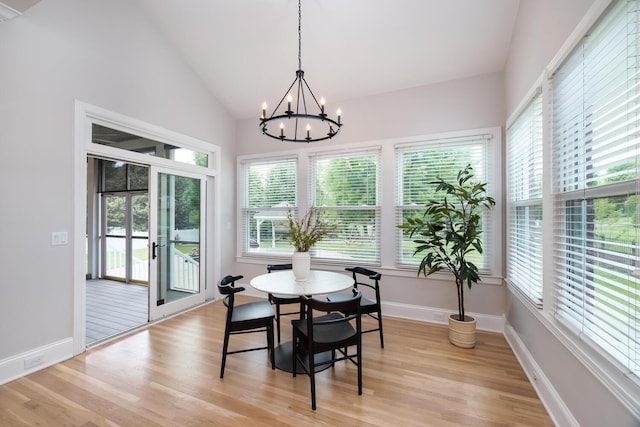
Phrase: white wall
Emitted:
{"points": [[541, 28], [106, 54], [573, 392], [472, 103]]}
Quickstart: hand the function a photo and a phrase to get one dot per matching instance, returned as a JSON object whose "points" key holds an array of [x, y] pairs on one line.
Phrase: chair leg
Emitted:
{"points": [[270, 345], [278, 320], [380, 327], [225, 346], [359, 358], [294, 352], [312, 378]]}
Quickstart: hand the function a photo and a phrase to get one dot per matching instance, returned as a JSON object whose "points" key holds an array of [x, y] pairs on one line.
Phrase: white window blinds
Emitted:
{"points": [[344, 187], [524, 201], [418, 165], [269, 191], [596, 152]]}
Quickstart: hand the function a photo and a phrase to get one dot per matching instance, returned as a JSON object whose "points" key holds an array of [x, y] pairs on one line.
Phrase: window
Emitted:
{"points": [[345, 190], [269, 191], [524, 201], [121, 176], [596, 153], [347, 185], [418, 165], [126, 141]]}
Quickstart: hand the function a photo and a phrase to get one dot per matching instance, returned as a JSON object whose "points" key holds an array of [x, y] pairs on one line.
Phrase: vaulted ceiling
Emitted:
{"points": [[246, 51]]}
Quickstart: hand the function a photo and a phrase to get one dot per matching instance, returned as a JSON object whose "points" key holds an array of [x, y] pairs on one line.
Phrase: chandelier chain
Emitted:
{"points": [[299, 35]]}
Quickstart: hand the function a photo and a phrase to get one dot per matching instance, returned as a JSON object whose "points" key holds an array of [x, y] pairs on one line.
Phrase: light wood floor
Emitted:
{"points": [[168, 375]]}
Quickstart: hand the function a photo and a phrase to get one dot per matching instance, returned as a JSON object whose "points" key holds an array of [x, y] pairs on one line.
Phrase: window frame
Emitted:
{"points": [[585, 139], [524, 273], [387, 195], [375, 255], [305, 197], [491, 174], [244, 210], [615, 377]]}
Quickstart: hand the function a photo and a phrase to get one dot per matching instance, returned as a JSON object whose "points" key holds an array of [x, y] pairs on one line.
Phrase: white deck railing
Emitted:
{"points": [[186, 273], [185, 269]]}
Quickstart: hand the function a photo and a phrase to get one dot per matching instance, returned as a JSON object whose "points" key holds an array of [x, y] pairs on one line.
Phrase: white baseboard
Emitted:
{"points": [[437, 315], [555, 406], [421, 313], [33, 360]]}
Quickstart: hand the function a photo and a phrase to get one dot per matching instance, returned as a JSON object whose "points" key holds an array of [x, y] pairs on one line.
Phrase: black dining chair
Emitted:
{"points": [[363, 277], [277, 300], [332, 332], [244, 319]]}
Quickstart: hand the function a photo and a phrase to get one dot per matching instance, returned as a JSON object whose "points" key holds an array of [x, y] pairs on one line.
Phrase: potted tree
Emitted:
{"points": [[303, 234], [448, 232]]}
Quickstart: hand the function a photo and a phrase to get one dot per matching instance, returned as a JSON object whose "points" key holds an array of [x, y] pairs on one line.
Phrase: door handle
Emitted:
{"points": [[153, 250]]}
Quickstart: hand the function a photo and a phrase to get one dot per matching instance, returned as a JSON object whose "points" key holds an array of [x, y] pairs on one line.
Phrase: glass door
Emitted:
{"points": [[126, 236], [139, 240], [115, 245], [177, 227]]}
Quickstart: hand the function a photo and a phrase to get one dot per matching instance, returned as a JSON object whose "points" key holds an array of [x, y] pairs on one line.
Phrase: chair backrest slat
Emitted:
{"points": [[358, 280], [226, 286], [349, 307], [277, 267]]}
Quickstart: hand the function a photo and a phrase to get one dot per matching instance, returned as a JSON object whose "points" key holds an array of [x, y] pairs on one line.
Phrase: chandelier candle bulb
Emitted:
{"points": [[322, 105], [289, 99], [339, 114], [281, 130], [308, 129], [264, 110]]}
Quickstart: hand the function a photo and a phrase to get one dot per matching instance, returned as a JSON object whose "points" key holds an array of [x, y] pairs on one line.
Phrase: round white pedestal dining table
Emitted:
{"points": [[319, 282]]}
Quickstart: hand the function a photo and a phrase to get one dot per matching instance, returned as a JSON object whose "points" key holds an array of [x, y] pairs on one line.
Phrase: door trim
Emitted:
{"points": [[84, 116]]}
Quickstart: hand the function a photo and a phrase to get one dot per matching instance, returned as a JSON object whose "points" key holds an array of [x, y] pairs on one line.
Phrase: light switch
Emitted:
{"points": [[59, 238]]}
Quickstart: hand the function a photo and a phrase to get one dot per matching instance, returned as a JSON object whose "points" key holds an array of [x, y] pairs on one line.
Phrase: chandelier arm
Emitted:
{"points": [[311, 92], [283, 97], [301, 98], [295, 127]]}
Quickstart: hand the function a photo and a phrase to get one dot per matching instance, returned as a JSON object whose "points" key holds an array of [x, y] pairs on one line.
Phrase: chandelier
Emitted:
{"points": [[297, 123]]}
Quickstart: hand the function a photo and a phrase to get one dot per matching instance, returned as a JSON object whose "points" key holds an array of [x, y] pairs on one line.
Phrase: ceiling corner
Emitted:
{"points": [[9, 9]]}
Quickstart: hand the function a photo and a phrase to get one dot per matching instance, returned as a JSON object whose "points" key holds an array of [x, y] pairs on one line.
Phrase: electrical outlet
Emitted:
{"points": [[34, 361]]}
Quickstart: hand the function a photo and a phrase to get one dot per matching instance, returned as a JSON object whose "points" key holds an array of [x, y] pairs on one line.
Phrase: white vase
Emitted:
{"points": [[301, 263]]}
